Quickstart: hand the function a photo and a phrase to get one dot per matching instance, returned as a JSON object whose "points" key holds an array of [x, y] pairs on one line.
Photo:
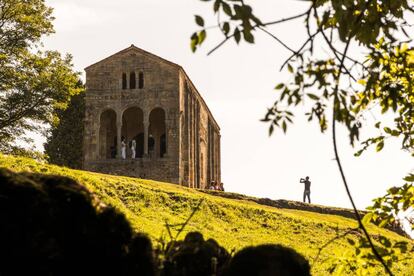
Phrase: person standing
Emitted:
{"points": [[306, 192], [123, 149]]}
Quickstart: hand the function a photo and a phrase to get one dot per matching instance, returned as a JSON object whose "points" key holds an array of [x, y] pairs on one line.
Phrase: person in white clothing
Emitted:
{"points": [[123, 149]]}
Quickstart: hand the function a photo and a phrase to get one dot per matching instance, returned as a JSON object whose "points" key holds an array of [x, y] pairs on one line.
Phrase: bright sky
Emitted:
{"points": [[237, 84]]}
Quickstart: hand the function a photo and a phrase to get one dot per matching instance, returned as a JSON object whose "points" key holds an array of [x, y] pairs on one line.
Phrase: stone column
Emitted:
{"points": [[192, 154], [97, 129], [118, 139], [167, 125], [146, 125], [127, 79], [219, 157]]}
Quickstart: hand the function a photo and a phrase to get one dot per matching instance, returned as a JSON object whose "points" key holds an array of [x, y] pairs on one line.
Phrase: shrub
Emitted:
{"points": [[268, 260], [51, 225]]}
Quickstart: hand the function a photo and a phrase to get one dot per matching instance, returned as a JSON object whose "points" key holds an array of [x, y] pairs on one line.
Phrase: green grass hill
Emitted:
{"points": [[235, 221]]}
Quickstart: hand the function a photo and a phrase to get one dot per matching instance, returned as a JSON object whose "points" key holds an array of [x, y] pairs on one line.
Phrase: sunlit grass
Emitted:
{"points": [[233, 223]]}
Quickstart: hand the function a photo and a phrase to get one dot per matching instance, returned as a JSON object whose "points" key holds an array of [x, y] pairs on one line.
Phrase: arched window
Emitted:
{"points": [[141, 80], [124, 81], [132, 80]]}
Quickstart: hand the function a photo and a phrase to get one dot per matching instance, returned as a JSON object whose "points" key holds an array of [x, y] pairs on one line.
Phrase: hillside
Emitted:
{"points": [[234, 222]]}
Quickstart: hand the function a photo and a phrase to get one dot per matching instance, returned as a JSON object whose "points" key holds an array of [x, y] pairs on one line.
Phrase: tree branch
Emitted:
{"points": [[338, 161], [257, 25], [278, 40]]}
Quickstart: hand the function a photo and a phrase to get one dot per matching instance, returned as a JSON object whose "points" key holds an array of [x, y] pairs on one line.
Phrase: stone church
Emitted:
{"points": [[137, 98]]}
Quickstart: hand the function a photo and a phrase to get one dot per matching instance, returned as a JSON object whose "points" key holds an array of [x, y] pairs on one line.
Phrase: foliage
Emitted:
{"points": [[268, 259], [29, 153], [395, 207], [58, 226], [65, 137], [338, 83], [234, 224], [33, 83], [194, 256], [361, 261]]}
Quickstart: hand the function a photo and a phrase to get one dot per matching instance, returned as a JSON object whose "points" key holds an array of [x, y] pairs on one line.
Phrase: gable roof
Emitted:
{"points": [[135, 49]]}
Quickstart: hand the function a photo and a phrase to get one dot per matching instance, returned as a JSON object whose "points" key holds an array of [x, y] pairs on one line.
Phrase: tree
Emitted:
{"points": [[342, 84], [34, 84], [65, 137]]}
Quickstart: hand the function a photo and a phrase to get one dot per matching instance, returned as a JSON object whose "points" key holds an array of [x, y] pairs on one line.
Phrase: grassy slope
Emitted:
{"points": [[233, 223]]}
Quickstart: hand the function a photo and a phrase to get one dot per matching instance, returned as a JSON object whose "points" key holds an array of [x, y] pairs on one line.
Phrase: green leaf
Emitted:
{"points": [[216, 5], [199, 20], [290, 68], [313, 96], [409, 178], [284, 126], [201, 36], [248, 36], [383, 223], [280, 86], [358, 153], [227, 9], [237, 35], [194, 42], [367, 218], [226, 28], [380, 145], [271, 129]]}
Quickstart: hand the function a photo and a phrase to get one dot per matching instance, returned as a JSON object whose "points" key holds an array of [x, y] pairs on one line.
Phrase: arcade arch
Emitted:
{"points": [[133, 129], [107, 134], [157, 132]]}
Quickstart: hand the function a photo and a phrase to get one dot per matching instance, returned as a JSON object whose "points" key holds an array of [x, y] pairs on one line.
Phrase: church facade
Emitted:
{"points": [[145, 118]]}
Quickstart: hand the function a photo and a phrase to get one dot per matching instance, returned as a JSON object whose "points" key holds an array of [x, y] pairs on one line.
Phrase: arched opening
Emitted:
{"points": [[156, 131], [133, 129], [141, 80], [124, 81], [107, 134], [139, 140], [132, 80], [151, 145]]}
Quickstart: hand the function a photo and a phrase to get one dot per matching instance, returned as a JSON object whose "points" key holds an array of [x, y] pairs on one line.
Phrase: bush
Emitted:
{"points": [[53, 226], [268, 260], [195, 256]]}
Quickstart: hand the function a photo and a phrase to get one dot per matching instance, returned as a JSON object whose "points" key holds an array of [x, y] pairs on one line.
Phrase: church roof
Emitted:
{"points": [[134, 48]]}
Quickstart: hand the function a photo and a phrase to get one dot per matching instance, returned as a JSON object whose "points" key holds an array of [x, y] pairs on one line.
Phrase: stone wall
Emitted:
{"points": [[160, 170], [200, 149]]}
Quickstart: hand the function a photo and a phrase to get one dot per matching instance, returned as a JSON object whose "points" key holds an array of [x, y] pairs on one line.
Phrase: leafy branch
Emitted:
{"points": [[348, 85]]}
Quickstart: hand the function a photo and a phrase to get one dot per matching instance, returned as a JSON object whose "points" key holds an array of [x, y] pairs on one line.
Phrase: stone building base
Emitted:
{"points": [[158, 169]]}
